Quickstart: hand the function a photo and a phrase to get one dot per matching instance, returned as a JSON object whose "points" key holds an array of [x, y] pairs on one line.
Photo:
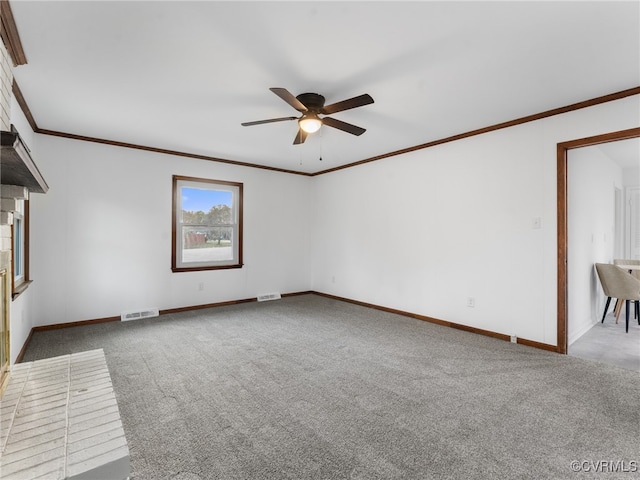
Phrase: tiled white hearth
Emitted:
{"points": [[59, 419]]}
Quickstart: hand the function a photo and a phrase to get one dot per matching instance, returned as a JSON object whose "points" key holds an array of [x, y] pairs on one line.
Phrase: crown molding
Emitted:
{"points": [[165, 151], [10, 36], [17, 93], [511, 123]]}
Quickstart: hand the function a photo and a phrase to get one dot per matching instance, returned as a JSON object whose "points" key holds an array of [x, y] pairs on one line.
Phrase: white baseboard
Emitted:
{"points": [[584, 329]]}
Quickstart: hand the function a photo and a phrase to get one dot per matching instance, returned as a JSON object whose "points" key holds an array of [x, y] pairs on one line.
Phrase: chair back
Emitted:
{"points": [[623, 261], [618, 283]]}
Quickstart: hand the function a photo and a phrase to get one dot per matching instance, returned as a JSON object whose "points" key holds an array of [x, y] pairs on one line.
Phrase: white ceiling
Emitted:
{"points": [[184, 75]]}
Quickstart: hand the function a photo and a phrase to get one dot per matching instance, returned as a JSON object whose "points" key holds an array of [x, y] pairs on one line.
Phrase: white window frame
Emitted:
{"points": [[177, 263], [18, 245], [20, 248]]}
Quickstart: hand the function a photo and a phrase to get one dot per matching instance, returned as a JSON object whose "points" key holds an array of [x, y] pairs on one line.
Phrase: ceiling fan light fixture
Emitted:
{"points": [[311, 105], [310, 122]]}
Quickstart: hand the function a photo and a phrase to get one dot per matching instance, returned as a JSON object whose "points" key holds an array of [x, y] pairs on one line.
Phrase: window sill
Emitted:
{"points": [[17, 291], [210, 267]]}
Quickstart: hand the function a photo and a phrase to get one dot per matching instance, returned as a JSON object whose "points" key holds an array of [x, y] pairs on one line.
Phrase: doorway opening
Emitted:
{"points": [[562, 209]]}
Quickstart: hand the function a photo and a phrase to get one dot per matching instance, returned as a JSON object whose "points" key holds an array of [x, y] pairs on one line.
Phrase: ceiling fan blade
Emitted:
{"points": [[288, 97], [301, 136], [271, 120], [344, 126], [354, 102]]}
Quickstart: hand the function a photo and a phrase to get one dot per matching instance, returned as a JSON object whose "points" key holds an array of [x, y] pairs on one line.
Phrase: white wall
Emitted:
{"points": [[21, 314], [101, 243], [420, 232], [592, 180], [631, 176], [631, 199], [424, 231]]}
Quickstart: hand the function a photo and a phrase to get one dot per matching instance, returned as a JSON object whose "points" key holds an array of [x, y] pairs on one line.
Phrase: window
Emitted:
{"points": [[20, 235], [207, 224], [18, 247]]}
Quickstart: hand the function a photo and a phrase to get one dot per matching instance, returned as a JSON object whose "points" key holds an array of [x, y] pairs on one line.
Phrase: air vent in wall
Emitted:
{"points": [[268, 296], [138, 314]]}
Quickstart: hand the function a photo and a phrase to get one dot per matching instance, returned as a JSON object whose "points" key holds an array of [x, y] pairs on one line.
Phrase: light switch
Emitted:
{"points": [[537, 223]]}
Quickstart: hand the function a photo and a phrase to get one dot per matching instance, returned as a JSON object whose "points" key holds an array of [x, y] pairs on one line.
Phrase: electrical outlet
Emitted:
{"points": [[514, 339], [471, 302]]}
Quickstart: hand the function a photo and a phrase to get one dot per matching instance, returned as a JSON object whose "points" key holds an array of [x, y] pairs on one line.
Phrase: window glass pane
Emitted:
{"points": [[207, 244], [18, 246], [211, 207], [207, 224]]}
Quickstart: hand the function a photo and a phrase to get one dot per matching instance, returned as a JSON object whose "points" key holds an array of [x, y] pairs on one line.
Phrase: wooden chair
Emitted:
{"points": [[620, 284]]}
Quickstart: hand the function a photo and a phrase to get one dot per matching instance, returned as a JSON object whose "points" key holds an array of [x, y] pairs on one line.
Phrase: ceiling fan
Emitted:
{"points": [[311, 105]]}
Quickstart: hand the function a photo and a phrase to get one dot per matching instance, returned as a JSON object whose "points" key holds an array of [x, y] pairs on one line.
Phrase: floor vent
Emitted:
{"points": [[138, 314], [268, 296]]}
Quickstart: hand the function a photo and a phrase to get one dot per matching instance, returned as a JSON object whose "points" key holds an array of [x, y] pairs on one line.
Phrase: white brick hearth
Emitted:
{"points": [[59, 419]]}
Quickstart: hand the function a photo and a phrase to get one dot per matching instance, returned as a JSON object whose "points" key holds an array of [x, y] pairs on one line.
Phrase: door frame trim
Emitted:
{"points": [[562, 154]]}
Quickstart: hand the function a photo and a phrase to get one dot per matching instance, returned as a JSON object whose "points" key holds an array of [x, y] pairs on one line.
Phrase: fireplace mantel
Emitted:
{"points": [[17, 167]]}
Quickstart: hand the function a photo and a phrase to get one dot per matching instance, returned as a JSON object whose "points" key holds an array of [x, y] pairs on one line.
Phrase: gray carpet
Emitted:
{"points": [[312, 388]]}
